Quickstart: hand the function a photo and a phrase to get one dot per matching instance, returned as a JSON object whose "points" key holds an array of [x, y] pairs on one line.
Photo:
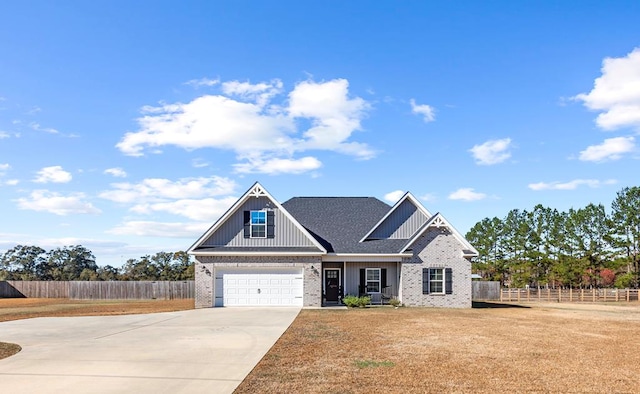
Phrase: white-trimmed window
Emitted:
{"points": [[373, 278], [258, 224], [436, 280]]}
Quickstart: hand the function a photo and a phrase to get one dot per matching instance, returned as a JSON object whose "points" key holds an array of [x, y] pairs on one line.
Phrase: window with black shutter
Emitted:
{"points": [[437, 281], [271, 224], [425, 281], [448, 281], [259, 224]]}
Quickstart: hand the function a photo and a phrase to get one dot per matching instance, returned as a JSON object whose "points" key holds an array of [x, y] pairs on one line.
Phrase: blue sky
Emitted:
{"points": [[129, 127]]}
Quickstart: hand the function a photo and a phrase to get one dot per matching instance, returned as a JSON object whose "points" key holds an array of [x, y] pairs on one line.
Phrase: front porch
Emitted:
{"points": [[379, 280]]}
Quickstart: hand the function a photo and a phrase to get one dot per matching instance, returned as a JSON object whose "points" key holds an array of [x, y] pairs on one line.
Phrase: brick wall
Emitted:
{"points": [[437, 248], [206, 266]]}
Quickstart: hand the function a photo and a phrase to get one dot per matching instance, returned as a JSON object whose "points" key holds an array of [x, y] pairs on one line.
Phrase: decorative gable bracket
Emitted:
{"points": [[438, 222], [257, 191]]}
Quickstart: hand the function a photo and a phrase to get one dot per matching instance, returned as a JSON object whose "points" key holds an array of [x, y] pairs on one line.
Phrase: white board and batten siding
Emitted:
{"points": [[259, 287]]}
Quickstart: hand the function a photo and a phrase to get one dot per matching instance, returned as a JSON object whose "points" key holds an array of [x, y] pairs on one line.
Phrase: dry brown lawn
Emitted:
{"points": [[26, 308], [561, 348]]}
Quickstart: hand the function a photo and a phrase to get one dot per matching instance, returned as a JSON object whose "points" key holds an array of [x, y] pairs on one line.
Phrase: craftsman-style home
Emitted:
{"points": [[312, 251]]}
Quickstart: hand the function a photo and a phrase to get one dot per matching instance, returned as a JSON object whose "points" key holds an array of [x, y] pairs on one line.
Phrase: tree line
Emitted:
{"points": [[543, 247], [76, 262]]}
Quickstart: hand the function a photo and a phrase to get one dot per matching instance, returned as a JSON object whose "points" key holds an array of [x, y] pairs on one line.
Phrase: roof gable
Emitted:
{"points": [[439, 221], [401, 222], [256, 197]]}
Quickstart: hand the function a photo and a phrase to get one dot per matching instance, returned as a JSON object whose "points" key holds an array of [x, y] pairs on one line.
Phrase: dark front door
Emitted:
{"points": [[332, 284]]}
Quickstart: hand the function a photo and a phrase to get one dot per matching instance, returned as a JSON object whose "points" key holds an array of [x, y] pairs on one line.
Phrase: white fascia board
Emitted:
{"points": [[222, 218], [406, 196], [255, 254], [247, 195], [445, 223], [362, 257]]}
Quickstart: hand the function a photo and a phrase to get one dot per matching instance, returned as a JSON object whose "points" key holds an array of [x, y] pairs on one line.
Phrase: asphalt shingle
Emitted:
{"points": [[339, 223]]}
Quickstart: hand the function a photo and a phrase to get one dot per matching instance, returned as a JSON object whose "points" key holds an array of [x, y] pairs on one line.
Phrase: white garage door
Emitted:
{"points": [[259, 287]]}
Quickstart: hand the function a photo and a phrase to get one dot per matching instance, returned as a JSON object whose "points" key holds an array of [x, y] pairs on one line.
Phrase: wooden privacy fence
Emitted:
{"points": [[97, 290], [485, 290], [569, 295]]}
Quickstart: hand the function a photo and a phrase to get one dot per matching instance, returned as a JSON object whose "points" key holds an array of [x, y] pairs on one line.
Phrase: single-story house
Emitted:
{"points": [[312, 251]]}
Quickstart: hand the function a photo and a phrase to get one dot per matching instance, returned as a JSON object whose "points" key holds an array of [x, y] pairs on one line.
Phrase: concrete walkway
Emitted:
{"points": [[205, 350]]}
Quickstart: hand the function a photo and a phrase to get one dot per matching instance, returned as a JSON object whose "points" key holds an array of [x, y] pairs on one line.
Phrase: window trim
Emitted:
{"points": [[263, 225], [447, 280], [441, 281], [379, 280]]}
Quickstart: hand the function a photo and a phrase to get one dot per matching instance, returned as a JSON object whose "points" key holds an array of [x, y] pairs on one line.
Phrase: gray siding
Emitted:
{"points": [[352, 276], [401, 224], [231, 233]]}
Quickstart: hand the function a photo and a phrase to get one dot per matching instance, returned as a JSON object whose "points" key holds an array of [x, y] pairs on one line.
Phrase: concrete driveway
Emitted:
{"points": [[204, 350]]}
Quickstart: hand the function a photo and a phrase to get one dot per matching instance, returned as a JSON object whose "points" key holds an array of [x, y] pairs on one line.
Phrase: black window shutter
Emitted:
{"points": [[425, 281], [247, 224], [271, 224], [362, 282], [383, 278], [448, 281]]}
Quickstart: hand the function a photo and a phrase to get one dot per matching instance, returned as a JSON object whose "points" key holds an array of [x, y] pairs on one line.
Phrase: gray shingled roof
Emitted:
{"points": [[257, 249], [339, 223]]}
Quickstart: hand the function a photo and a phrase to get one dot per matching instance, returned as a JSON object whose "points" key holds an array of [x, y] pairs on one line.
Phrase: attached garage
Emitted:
{"points": [[259, 287]]}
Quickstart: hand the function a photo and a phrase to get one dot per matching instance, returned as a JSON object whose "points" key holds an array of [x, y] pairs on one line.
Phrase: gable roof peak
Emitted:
{"points": [[256, 190], [407, 196], [439, 221]]}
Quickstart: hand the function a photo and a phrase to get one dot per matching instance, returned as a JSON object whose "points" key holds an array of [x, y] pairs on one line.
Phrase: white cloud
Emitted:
{"points": [[427, 111], [54, 174], [161, 190], [246, 122], [196, 83], [46, 201], [206, 209], [36, 126], [4, 134], [213, 122], [160, 229], [261, 93], [616, 93], [394, 196], [116, 171], [467, 194], [492, 151], [429, 197], [334, 116], [4, 167], [9, 240], [34, 110], [278, 166], [610, 149], [199, 163], [571, 185]]}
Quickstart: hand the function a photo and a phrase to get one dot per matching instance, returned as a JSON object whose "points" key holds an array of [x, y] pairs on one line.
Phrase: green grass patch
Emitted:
{"points": [[373, 364]]}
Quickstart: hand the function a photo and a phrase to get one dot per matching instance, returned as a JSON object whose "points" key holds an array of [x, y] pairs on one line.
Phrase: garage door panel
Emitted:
{"points": [[259, 287]]}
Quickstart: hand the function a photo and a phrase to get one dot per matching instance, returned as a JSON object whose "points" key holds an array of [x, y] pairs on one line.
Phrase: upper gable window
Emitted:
{"points": [[258, 224]]}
